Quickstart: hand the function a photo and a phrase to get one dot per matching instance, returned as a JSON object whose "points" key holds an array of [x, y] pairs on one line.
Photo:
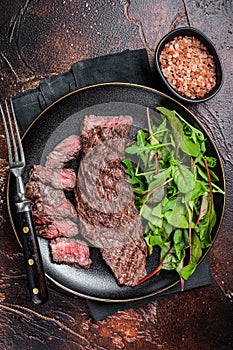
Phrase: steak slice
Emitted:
{"points": [[110, 237], [39, 192], [57, 178], [46, 211], [97, 129], [95, 217], [127, 262], [64, 152], [47, 231], [70, 251], [53, 213], [95, 181], [56, 228], [105, 201]]}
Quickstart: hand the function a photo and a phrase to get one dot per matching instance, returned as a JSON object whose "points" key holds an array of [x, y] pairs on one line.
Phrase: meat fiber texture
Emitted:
{"points": [[70, 251], [54, 215], [64, 152], [108, 217], [57, 178]]}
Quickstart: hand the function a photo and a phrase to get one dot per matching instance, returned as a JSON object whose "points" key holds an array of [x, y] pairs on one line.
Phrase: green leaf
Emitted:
{"points": [[205, 227], [199, 189], [177, 129], [156, 187], [167, 228], [202, 171], [179, 245], [189, 147], [196, 249], [188, 270], [177, 217], [217, 189], [211, 161], [146, 213], [157, 211], [170, 261], [183, 177], [142, 138], [169, 204], [130, 170]]}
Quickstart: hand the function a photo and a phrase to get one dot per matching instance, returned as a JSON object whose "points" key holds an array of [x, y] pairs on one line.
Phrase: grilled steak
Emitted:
{"points": [[53, 213], [57, 178], [40, 192], [130, 267], [59, 228], [65, 210], [95, 182], [49, 204], [105, 201], [108, 237], [96, 130], [70, 251], [58, 220], [47, 231], [52, 228], [64, 152]]}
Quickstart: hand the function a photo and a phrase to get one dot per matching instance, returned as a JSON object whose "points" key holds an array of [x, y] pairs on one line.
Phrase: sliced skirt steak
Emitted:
{"points": [[105, 201], [96, 130], [64, 152], [57, 178], [53, 213], [70, 251]]}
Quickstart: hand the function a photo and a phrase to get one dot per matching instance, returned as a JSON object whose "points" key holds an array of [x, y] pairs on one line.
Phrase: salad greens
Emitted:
{"points": [[173, 186]]}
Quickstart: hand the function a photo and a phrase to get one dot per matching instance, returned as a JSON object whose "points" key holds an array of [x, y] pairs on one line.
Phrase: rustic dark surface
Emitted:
{"points": [[40, 38]]}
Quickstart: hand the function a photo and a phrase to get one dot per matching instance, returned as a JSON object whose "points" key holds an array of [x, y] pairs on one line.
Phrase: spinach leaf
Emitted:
{"points": [[188, 270], [183, 178]]}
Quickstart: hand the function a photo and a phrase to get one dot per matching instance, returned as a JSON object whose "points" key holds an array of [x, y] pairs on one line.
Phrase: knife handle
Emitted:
{"points": [[32, 257]]}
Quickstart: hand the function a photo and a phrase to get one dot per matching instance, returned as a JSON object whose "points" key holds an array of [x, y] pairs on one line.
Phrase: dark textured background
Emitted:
{"points": [[44, 37]]}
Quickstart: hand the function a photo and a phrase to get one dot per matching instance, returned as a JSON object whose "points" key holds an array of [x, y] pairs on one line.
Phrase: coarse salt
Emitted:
{"points": [[187, 58]]}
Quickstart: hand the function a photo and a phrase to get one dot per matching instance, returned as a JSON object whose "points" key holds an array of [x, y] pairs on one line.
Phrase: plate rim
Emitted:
{"points": [[73, 292]]}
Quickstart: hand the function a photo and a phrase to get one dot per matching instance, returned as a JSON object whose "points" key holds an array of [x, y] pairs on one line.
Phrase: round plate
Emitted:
{"points": [[62, 119]]}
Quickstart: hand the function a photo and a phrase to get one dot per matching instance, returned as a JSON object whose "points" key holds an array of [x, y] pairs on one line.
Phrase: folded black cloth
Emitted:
{"points": [[201, 277], [128, 66]]}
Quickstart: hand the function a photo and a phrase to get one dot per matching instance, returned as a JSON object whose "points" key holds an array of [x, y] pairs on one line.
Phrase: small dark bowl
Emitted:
{"points": [[193, 32]]}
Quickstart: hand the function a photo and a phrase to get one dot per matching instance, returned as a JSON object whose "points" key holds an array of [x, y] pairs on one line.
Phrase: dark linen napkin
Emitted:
{"points": [[201, 277], [127, 66]]}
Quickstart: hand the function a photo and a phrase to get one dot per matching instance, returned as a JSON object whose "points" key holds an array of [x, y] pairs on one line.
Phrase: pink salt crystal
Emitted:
{"points": [[186, 59]]}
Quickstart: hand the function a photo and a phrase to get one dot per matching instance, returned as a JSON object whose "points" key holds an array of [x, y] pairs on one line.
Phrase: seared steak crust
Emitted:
{"points": [[53, 213], [96, 130], [65, 151], [105, 201], [130, 267]]}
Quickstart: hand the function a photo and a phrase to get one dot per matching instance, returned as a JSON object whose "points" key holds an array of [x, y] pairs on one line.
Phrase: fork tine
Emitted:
{"points": [[17, 133], [7, 135], [16, 157]]}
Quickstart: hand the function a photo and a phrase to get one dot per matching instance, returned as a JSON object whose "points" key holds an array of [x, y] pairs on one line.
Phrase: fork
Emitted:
{"points": [[31, 251]]}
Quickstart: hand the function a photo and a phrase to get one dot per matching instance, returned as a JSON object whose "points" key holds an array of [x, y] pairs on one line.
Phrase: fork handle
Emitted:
{"points": [[32, 257]]}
